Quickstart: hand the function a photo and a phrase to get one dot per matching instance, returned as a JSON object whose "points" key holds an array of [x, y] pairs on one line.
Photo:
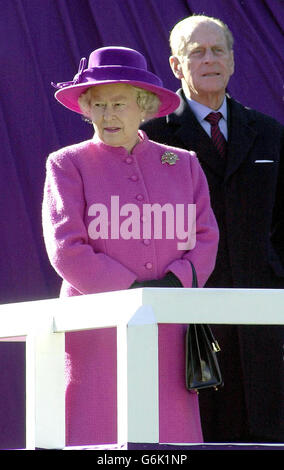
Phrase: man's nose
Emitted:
{"points": [[208, 55]]}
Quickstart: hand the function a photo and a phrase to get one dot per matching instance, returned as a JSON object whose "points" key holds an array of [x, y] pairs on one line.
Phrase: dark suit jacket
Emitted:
{"points": [[247, 196], [247, 191]]}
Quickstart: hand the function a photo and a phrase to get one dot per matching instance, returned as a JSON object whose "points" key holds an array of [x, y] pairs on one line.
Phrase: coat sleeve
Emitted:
{"points": [[66, 236], [204, 252]]}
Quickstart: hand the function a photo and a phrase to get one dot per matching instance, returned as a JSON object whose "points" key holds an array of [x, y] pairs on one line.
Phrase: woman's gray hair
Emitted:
{"points": [[181, 32], [146, 100]]}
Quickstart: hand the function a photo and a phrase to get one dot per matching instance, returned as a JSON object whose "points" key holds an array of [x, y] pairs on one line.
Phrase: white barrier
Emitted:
{"points": [[136, 315]]}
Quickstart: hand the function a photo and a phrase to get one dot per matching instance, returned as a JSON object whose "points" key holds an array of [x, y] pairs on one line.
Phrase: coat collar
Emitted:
{"points": [[240, 136], [140, 147]]}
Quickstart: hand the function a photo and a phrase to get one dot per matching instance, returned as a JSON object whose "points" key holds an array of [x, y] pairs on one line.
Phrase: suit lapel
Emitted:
{"points": [[192, 136], [241, 136]]}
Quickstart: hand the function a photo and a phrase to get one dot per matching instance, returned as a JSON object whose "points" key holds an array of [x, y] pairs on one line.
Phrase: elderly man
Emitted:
{"points": [[241, 153]]}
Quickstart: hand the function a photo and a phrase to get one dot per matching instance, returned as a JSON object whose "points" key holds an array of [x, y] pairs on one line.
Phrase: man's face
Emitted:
{"points": [[207, 63]]}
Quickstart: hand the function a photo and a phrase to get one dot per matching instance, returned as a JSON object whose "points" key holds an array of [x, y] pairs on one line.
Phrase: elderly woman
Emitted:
{"points": [[119, 210], [102, 195]]}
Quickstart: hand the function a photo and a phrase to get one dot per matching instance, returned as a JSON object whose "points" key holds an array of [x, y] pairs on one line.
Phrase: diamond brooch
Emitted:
{"points": [[170, 158]]}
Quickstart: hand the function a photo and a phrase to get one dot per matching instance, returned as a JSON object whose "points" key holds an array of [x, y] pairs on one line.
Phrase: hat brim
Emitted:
{"points": [[68, 95]]}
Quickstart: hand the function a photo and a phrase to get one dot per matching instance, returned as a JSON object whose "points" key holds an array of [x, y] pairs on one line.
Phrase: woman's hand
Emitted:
{"points": [[169, 280]]}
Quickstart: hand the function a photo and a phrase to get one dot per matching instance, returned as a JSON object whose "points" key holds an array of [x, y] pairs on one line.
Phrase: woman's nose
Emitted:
{"points": [[108, 112]]}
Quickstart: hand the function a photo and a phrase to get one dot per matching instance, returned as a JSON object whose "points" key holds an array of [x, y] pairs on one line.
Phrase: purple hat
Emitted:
{"points": [[115, 65]]}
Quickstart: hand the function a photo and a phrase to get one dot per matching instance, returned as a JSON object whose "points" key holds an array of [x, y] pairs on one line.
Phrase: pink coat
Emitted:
{"points": [[92, 194]]}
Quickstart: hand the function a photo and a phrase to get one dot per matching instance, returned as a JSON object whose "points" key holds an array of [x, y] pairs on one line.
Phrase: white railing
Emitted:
{"points": [[136, 315]]}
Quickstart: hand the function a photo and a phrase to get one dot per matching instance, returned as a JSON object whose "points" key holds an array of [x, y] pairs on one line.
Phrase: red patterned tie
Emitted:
{"points": [[217, 137]]}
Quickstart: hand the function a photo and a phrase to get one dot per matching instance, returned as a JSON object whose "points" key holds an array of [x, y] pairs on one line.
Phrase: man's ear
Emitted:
{"points": [[176, 66], [232, 62]]}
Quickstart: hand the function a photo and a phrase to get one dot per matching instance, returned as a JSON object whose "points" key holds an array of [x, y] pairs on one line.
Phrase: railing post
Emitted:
{"points": [[49, 350]]}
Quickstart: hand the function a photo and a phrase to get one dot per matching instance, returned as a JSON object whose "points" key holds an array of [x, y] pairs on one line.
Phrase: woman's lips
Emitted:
{"points": [[112, 129]]}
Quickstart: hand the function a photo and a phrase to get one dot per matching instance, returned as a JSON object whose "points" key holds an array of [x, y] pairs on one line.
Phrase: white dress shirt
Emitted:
{"points": [[201, 111]]}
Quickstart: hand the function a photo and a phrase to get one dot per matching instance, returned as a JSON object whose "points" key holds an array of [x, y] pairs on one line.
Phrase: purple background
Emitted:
{"points": [[42, 41]]}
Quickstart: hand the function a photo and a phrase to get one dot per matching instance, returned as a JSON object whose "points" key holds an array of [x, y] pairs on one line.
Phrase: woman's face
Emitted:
{"points": [[116, 115]]}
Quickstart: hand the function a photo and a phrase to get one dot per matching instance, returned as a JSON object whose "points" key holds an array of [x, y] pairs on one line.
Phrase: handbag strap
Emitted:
{"points": [[194, 276], [212, 339]]}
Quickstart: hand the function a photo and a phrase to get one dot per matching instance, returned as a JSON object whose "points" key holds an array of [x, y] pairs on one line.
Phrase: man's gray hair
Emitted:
{"points": [[181, 32]]}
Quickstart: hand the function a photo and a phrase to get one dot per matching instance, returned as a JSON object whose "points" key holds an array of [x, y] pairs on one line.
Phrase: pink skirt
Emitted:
{"points": [[91, 405]]}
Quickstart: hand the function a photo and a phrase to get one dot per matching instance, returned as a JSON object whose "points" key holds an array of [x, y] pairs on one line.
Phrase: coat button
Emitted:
{"points": [[139, 197], [147, 242], [129, 160], [134, 178], [148, 265]]}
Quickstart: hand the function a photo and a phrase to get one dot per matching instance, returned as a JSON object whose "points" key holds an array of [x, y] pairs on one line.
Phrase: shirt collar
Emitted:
{"points": [[201, 111]]}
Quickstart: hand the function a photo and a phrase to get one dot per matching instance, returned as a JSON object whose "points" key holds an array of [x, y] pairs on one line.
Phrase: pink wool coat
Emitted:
{"points": [[95, 195]]}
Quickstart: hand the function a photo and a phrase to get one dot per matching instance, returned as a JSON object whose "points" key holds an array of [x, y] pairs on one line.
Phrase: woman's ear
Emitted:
{"points": [[142, 115], [176, 67]]}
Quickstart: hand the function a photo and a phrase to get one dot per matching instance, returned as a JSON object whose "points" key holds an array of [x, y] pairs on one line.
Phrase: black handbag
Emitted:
{"points": [[202, 368]]}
